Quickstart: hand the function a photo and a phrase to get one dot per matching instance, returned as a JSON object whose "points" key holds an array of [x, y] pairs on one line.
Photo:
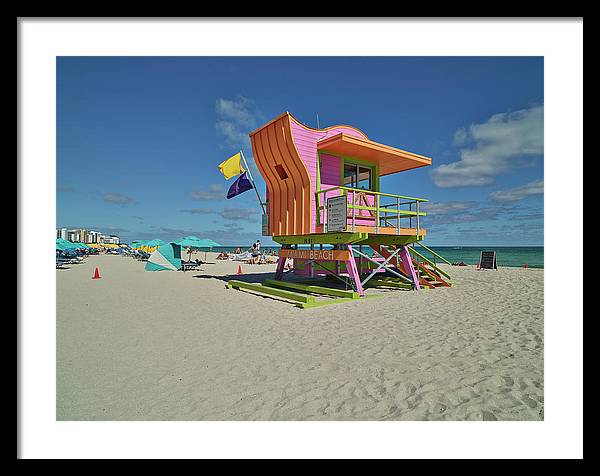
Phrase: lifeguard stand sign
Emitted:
{"points": [[487, 260], [337, 211]]}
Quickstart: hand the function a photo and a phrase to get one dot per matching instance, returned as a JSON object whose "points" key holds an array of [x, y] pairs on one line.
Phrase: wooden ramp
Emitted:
{"points": [[300, 294], [388, 282]]}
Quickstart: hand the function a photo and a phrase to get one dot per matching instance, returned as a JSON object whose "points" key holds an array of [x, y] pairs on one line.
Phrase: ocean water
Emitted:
{"points": [[513, 256]]}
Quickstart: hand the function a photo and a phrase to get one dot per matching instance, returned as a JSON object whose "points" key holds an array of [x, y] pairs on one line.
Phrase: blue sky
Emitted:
{"points": [[139, 139]]}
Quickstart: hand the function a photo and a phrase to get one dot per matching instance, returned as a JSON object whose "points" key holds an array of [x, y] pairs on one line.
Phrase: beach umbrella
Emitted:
{"points": [[137, 244], [208, 243], [165, 257], [62, 244], [150, 245], [201, 243], [190, 241]]}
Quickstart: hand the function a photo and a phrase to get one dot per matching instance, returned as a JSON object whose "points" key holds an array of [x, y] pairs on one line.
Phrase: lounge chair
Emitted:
{"points": [[191, 265]]}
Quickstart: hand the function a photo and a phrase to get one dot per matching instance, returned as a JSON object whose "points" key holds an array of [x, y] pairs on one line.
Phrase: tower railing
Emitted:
{"points": [[373, 209]]}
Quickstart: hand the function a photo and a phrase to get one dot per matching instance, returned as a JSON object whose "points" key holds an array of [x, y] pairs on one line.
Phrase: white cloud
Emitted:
{"points": [[235, 119], [238, 111], [461, 136], [232, 214], [248, 214], [518, 193], [212, 192], [443, 208], [198, 211], [455, 212], [117, 199], [497, 146], [234, 136]]}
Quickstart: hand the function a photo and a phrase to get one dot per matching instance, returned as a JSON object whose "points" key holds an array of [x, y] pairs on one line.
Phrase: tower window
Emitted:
{"points": [[281, 172]]}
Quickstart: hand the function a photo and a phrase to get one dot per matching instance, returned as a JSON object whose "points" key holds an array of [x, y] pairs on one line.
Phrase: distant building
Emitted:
{"points": [[109, 239], [73, 236], [92, 236], [82, 235]]}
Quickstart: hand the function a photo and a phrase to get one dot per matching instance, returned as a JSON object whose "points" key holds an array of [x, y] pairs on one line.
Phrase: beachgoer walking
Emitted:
{"points": [[256, 248]]}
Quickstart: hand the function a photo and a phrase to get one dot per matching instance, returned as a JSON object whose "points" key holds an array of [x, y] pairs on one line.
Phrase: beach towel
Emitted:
{"points": [[241, 256]]}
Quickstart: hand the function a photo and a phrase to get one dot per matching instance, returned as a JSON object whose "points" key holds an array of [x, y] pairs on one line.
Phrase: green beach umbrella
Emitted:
{"points": [[62, 244], [190, 241], [195, 242], [137, 243], [208, 243]]}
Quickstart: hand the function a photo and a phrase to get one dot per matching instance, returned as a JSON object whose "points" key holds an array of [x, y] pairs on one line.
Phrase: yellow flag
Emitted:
{"points": [[232, 166]]}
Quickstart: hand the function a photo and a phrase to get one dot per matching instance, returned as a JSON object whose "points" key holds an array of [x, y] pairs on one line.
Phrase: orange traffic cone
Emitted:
{"points": [[239, 271], [96, 273]]}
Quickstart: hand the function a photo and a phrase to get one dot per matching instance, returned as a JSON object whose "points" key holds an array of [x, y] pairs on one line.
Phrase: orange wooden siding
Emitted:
{"points": [[290, 198]]}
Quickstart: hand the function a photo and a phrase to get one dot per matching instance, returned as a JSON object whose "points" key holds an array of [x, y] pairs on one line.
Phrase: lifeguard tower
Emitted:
{"points": [[323, 190]]}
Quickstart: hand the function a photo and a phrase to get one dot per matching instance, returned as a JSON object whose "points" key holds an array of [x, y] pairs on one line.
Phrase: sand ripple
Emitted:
{"points": [[179, 346]]}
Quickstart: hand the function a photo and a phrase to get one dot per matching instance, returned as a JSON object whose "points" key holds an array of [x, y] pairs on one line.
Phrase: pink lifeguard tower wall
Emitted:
{"points": [[306, 142]]}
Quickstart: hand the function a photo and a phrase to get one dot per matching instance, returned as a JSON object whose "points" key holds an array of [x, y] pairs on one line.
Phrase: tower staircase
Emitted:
{"points": [[428, 273]]}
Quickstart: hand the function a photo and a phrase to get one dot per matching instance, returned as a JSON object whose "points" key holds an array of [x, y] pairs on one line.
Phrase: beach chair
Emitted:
{"points": [[191, 265]]}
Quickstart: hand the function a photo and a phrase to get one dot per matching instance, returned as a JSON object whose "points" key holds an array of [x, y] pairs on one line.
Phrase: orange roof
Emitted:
{"points": [[389, 159]]}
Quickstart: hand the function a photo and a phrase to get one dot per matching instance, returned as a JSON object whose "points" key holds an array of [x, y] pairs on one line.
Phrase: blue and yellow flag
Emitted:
{"points": [[232, 166]]}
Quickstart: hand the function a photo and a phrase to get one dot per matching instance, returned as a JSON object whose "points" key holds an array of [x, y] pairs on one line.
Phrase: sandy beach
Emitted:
{"points": [[137, 345]]}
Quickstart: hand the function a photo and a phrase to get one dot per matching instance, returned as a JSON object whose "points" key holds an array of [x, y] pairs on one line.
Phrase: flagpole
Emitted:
{"points": [[252, 180]]}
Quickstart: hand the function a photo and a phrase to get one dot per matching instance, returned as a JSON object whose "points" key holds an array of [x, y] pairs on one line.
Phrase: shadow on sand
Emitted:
{"points": [[247, 278], [329, 282]]}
